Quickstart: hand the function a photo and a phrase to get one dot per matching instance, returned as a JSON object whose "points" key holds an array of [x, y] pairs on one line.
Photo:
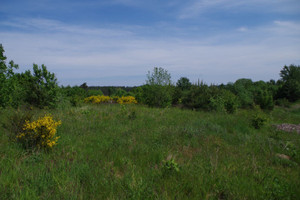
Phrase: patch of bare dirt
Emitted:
{"points": [[288, 127]]}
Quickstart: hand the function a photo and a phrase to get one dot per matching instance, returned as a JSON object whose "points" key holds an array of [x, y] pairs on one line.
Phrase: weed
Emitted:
{"points": [[170, 165]]}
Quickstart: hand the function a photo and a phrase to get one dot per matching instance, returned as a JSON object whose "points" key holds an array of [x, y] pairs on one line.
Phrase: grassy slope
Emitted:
{"points": [[103, 154]]}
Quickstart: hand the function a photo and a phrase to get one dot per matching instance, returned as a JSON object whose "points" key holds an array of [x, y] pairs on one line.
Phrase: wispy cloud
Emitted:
{"points": [[83, 54], [195, 8]]}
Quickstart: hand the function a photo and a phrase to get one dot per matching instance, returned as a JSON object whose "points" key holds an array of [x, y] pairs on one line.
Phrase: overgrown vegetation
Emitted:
{"points": [[222, 145], [112, 151]]}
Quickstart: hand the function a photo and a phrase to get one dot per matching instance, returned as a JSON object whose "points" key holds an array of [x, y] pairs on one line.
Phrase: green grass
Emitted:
{"points": [[120, 152]]}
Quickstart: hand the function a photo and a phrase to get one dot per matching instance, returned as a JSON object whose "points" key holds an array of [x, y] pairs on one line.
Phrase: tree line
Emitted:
{"points": [[39, 88]]}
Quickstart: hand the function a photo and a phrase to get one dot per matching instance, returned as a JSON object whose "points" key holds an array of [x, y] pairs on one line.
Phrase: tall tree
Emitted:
{"points": [[159, 76], [290, 79]]}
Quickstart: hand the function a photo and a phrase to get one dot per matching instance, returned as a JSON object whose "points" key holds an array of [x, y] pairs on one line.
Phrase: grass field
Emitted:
{"points": [[114, 151]]}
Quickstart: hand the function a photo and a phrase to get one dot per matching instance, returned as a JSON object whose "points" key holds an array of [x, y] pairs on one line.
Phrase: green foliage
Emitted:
{"points": [[224, 100], [158, 91], [218, 156], [170, 165], [39, 134], [41, 87], [159, 76], [94, 92], [264, 99], [184, 83], [157, 95], [177, 95], [259, 119], [15, 121], [198, 97], [290, 149], [138, 93], [283, 102], [290, 87], [74, 95], [244, 90], [277, 189], [10, 89], [119, 92]]}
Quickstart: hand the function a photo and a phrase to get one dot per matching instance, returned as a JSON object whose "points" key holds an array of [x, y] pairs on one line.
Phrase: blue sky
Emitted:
{"points": [[116, 42]]}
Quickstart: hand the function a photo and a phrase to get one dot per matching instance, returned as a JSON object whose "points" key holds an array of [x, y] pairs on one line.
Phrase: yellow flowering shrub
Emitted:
{"points": [[40, 133], [98, 99], [106, 99], [127, 100]]}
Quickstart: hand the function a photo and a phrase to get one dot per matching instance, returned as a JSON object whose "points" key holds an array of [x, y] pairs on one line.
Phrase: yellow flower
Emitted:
{"points": [[40, 132]]}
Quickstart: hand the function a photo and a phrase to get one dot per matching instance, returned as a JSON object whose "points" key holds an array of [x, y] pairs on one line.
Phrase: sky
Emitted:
{"points": [[116, 42]]}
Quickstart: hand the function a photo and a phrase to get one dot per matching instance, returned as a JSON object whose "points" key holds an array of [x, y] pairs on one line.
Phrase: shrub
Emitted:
{"points": [[259, 120], [264, 99], [243, 88], [283, 102], [127, 100], [224, 100], [138, 93], [158, 90], [94, 92], [40, 88], [98, 99], [198, 97], [40, 133], [157, 95], [15, 122]]}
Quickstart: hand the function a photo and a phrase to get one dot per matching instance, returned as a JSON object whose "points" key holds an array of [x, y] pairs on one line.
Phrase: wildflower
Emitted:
{"points": [[40, 133]]}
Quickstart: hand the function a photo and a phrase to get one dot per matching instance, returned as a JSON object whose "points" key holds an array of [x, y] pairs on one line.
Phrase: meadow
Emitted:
{"points": [[112, 151]]}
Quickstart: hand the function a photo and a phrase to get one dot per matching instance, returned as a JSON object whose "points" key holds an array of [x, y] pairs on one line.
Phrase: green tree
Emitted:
{"points": [[158, 90], [198, 97], [41, 87], [290, 83], [159, 76], [10, 93], [184, 83], [244, 90]]}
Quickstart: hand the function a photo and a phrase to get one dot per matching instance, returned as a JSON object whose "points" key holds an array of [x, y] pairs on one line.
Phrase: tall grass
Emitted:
{"points": [[120, 152]]}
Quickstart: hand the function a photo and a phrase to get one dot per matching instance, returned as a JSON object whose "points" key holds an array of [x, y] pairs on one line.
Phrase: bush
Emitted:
{"points": [[138, 94], [94, 92], [224, 100], [127, 100], [40, 133], [15, 122], [243, 89], [40, 88], [157, 96], [259, 120], [158, 91], [264, 99], [98, 99], [283, 102], [198, 97]]}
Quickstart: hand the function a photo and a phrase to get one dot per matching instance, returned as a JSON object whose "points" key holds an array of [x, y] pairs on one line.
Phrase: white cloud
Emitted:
{"points": [[197, 7], [80, 54]]}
